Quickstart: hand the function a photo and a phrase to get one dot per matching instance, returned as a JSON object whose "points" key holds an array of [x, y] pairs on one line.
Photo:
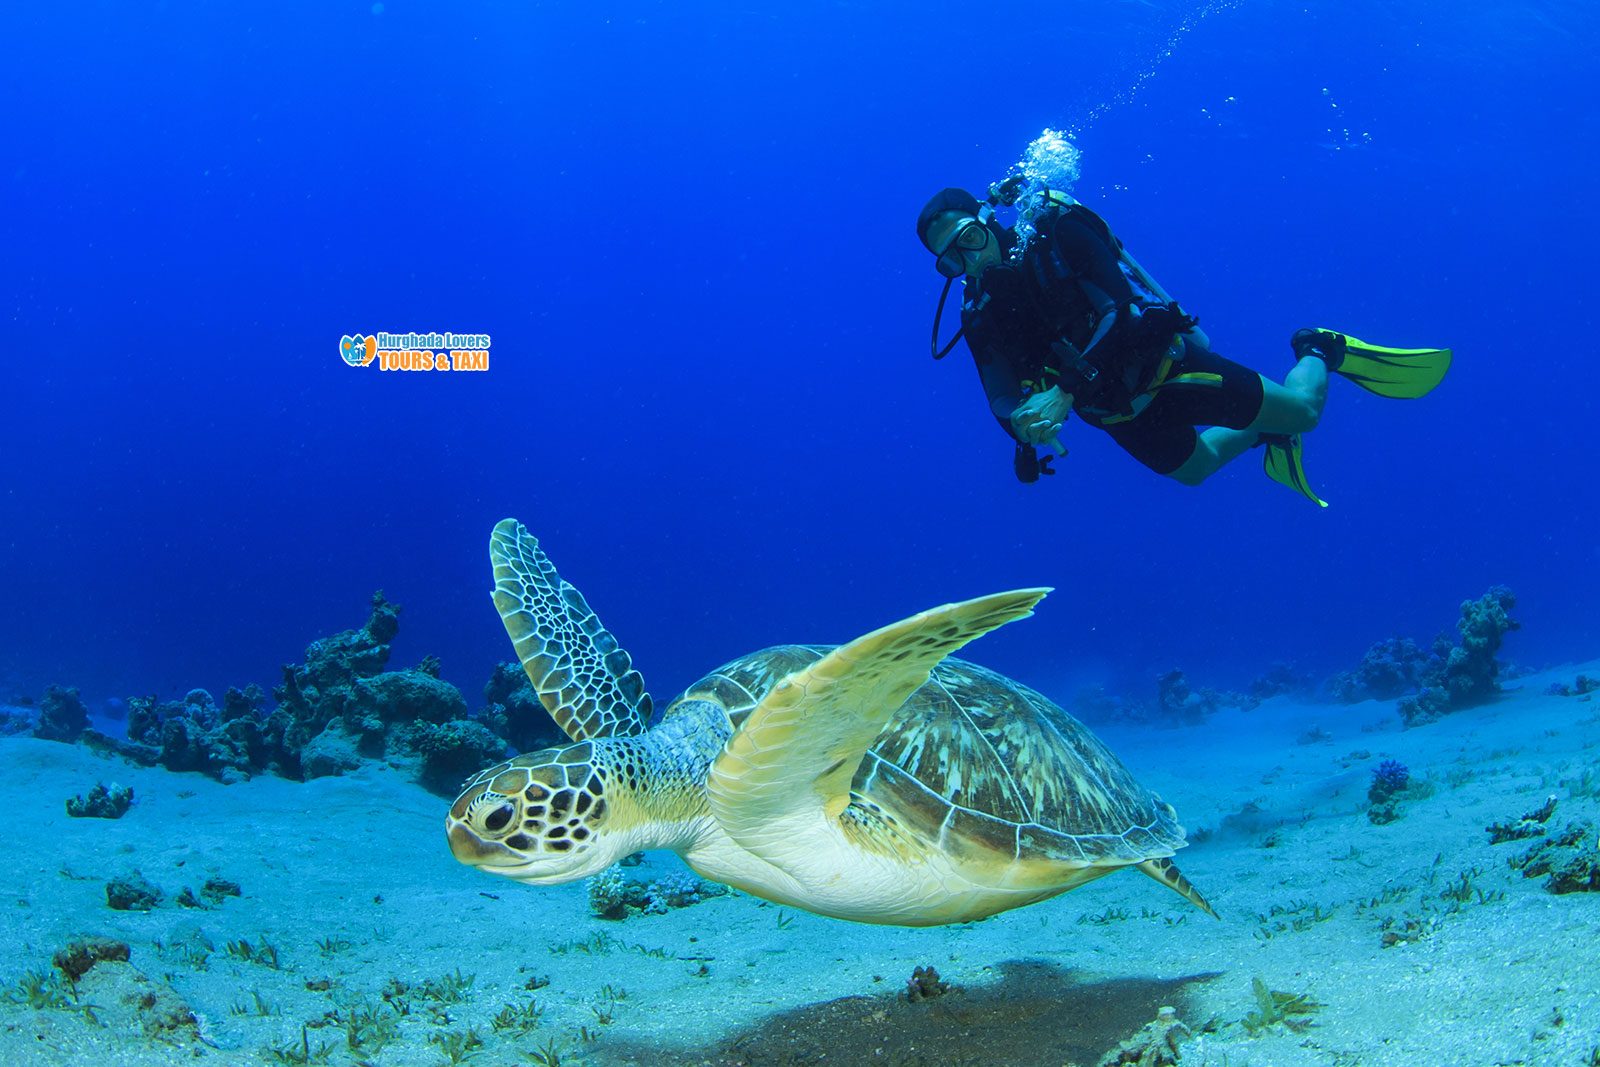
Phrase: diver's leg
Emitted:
{"points": [[1213, 449], [1296, 405], [1293, 407], [1239, 412]]}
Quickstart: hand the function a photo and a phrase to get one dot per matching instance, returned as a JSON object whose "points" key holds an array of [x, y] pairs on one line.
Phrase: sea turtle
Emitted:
{"points": [[879, 781]]}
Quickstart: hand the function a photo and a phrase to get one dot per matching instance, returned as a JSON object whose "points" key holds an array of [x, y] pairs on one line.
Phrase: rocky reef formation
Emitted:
{"points": [[514, 713], [1391, 668], [101, 802], [615, 895], [93, 978], [1568, 860], [62, 716], [1467, 674], [1280, 679], [1177, 702], [333, 711], [1180, 704], [1581, 687], [1442, 678]]}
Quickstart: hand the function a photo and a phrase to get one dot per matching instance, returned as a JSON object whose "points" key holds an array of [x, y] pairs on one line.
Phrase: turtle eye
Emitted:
{"points": [[497, 819]]}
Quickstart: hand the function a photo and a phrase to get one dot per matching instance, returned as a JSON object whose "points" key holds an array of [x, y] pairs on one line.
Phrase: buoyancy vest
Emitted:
{"points": [[1040, 311]]}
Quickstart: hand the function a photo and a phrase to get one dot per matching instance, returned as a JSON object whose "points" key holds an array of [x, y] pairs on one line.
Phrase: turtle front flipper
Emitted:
{"points": [[583, 677], [785, 775]]}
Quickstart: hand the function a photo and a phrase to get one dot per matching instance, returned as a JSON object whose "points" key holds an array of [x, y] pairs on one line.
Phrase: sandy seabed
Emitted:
{"points": [[349, 881]]}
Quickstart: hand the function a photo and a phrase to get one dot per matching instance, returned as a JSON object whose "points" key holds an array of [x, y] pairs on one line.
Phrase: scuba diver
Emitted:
{"points": [[1063, 319]]}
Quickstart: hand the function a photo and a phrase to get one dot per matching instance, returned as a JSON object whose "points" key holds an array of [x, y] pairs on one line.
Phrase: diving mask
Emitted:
{"points": [[970, 235]]}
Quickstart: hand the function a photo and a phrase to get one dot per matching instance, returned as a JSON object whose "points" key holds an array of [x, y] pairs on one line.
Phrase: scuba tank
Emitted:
{"points": [[1146, 289]]}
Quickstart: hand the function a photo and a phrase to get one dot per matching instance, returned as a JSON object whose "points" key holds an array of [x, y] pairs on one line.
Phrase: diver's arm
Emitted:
{"points": [[1000, 384]]}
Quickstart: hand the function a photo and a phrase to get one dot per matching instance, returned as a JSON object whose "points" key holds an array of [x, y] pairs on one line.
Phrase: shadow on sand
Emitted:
{"points": [[1032, 1015]]}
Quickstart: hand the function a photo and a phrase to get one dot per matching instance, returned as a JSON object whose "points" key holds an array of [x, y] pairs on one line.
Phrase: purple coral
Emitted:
{"points": [[1390, 777]]}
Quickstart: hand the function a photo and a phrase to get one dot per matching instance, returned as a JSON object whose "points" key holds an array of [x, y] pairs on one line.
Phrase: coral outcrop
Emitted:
{"points": [[1444, 678], [212, 893], [514, 711], [1391, 781], [62, 716], [117, 995], [1180, 704], [335, 710], [925, 984], [16, 720], [1471, 672], [453, 751], [78, 957], [1581, 687], [101, 802], [1569, 859], [132, 892], [1530, 825], [1391, 668], [1155, 1045], [614, 895], [1464, 675], [1281, 678]]}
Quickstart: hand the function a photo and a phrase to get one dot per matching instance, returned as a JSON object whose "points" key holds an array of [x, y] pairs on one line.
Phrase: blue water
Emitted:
{"points": [[689, 230]]}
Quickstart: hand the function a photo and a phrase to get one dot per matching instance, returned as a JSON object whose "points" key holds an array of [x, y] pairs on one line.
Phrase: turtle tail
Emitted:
{"points": [[1166, 872]]}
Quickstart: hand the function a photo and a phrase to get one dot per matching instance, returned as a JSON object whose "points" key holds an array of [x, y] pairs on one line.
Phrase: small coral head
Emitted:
{"points": [[1392, 774], [537, 818]]}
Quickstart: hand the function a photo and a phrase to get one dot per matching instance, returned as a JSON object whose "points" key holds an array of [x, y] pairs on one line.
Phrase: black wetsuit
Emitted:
{"points": [[1133, 379]]}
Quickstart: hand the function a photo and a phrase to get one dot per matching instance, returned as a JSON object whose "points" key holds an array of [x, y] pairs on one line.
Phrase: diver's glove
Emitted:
{"points": [[1038, 419], [1029, 464]]}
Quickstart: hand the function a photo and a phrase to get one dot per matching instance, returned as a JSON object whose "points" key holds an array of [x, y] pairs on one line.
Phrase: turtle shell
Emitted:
{"points": [[976, 761]]}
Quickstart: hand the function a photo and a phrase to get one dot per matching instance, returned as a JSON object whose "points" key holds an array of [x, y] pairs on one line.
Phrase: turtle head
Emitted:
{"points": [[544, 817]]}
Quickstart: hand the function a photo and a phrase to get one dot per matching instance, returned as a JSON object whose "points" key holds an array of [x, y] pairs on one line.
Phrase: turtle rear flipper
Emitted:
{"points": [[785, 775], [1166, 872], [583, 677]]}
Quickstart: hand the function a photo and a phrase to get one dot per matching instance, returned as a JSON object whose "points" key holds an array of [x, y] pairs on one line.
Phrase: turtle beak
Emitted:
{"points": [[491, 857], [474, 851]]}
